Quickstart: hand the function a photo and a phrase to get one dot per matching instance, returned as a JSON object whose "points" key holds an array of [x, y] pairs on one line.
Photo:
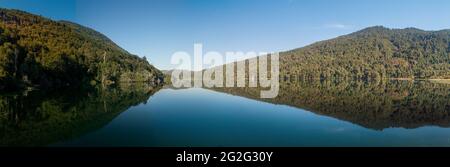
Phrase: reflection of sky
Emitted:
{"points": [[199, 117], [158, 28]]}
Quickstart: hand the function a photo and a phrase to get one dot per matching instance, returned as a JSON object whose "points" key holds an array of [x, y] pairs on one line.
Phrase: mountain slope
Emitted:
{"points": [[374, 52], [36, 51]]}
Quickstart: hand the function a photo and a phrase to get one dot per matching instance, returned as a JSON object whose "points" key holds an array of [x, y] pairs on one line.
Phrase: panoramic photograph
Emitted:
{"points": [[210, 82]]}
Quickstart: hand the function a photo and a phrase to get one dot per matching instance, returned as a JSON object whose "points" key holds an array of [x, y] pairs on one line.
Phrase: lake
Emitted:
{"points": [[316, 113]]}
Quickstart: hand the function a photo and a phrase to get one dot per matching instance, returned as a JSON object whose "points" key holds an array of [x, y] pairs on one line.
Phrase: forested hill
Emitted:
{"points": [[36, 51], [375, 52]]}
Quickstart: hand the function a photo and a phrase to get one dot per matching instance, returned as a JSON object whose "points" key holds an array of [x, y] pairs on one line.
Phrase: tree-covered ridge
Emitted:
{"points": [[36, 51], [373, 53]]}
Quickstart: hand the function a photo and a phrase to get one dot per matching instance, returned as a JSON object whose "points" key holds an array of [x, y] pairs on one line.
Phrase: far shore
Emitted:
{"points": [[444, 81]]}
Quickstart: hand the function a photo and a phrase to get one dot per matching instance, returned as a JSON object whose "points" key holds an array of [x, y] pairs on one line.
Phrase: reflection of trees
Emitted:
{"points": [[375, 105], [40, 118]]}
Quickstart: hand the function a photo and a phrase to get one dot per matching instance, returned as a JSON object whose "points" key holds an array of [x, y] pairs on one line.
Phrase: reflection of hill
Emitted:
{"points": [[378, 105], [41, 118]]}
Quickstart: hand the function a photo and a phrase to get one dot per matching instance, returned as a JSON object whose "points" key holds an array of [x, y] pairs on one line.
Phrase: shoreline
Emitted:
{"points": [[442, 81]]}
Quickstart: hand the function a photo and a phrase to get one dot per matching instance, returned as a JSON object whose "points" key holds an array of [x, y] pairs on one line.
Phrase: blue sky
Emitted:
{"points": [[158, 28]]}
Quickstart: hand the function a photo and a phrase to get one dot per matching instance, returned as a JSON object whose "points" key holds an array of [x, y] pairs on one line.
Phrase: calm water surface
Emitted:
{"points": [[399, 113]]}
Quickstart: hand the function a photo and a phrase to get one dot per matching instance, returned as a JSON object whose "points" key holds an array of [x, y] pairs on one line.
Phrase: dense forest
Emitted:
{"points": [[375, 53], [372, 53], [38, 52]]}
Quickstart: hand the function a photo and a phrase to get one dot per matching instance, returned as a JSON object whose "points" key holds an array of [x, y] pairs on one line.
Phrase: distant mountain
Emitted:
{"points": [[36, 51], [375, 52]]}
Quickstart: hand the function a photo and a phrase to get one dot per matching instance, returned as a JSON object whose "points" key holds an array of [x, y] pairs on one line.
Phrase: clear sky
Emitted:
{"points": [[158, 28]]}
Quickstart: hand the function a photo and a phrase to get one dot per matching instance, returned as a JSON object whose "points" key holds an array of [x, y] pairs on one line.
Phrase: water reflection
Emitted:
{"points": [[38, 118], [198, 117], [376, 105]]}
